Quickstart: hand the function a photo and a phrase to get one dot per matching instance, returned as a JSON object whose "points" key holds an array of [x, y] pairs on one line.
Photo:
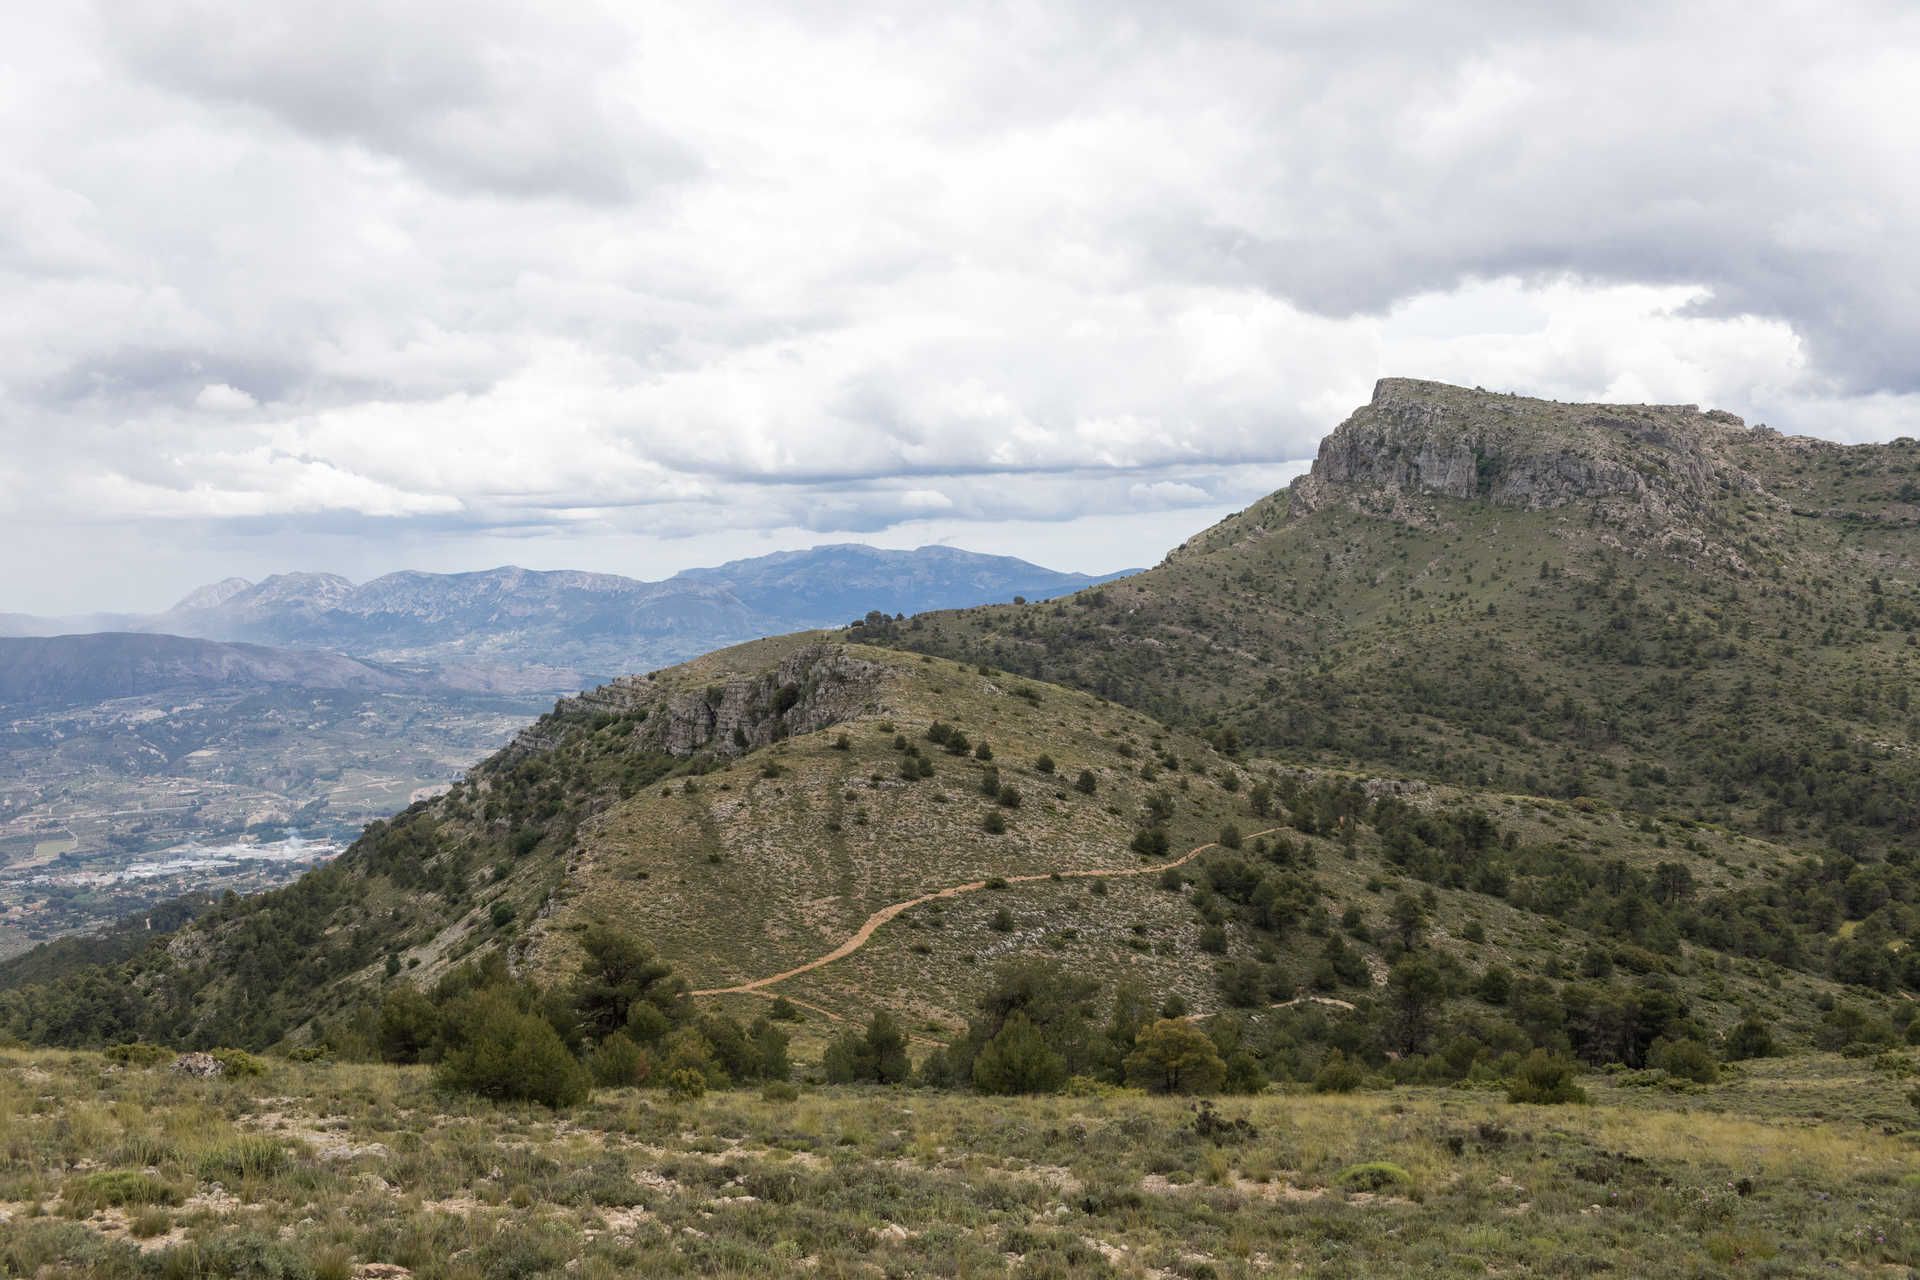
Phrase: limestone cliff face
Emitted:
{"points": [[811, 688], [1651, 477], [1418, 438]]}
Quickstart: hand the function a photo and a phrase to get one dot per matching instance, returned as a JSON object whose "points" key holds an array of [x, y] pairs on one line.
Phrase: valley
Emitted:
{"points": [[90, 791], [306, 707]]}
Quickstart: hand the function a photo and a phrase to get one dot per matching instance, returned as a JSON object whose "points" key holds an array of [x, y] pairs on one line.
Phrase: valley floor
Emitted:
{"points": [[1790, 1166]]}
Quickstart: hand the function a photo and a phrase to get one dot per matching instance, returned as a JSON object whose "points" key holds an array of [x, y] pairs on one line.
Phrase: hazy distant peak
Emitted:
{"points": [[214, 594]]}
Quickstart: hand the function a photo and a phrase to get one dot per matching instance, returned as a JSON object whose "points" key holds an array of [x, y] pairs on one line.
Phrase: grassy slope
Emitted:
{"points": [[1782, 1170], [774, 858]]}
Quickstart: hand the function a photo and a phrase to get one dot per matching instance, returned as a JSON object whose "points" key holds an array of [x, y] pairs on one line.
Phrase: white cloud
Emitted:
{"points": [[926, 500], [218, 397], [592, 272]]}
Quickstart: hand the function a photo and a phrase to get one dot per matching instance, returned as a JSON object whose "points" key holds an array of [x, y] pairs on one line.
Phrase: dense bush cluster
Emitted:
{"points": [[624, 1020]]}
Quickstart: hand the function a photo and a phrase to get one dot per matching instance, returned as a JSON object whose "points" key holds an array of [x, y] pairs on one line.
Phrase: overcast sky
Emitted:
{"points": [[357, 286]]}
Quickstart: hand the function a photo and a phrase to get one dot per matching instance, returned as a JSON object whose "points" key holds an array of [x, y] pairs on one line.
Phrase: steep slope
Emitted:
{"points": [[794, 847], [1650, 604]]}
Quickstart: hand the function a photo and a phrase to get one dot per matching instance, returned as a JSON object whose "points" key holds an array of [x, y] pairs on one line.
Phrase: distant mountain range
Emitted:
{"points": [[92, 668], [570, 627]]}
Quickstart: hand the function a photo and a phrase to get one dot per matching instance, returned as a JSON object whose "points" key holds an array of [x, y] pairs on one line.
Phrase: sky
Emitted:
{"points": [[635, 287]]}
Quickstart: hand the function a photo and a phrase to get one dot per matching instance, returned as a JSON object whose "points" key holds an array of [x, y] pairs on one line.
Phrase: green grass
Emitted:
{"points": [[370, 1165]]}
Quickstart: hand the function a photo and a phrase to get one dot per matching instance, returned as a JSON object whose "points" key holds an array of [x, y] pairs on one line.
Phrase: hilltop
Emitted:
{"points": [[1654, 605]]}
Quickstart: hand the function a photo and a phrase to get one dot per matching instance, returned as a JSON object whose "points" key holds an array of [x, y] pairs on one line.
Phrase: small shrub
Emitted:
{"points": [[1749, 1039], [1546, 1079], [994, 824], [1374, 1175], [509, 1054], [1687, 1059], [1017, 1060], [1085, 783], [619, 1063], [1210, 1125], [1044, 764], [780, 1091], [687, 1084], [1338, 1074], [1151, 842], [150, 1222], [253, 1156], [139, 1054], [119, 1188], [238, 1064]]}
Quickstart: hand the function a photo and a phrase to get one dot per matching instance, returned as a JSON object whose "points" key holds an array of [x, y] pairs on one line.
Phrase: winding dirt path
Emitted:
{"points": [[866, 931]]}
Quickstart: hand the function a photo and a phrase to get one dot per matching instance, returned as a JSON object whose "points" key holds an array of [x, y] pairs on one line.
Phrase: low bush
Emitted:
{"points": [[253, 1156], [1374, 1175], [139, 1054], [119, 1188], [508, 1054], [238, 1064], [1544, 1078]]}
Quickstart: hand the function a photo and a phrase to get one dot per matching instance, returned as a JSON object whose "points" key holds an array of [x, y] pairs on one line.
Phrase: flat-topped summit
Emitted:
{"points": [[1415, 437]]}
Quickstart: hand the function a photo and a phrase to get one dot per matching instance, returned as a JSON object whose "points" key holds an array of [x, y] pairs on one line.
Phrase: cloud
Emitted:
{"points": [[218, 397], [489, 97], [586, 271]]}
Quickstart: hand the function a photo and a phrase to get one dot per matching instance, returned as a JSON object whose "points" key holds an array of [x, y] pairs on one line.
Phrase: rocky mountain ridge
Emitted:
{"points": [[578, 627]]}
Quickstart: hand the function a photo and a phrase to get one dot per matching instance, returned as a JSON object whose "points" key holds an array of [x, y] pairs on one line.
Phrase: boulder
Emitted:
{"points": [[204, 1065]]}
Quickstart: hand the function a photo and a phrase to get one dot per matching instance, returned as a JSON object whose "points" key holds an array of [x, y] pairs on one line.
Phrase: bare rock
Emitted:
{"points": [[203, 1065]]}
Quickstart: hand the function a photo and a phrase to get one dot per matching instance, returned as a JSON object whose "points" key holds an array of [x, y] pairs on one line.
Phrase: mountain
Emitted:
{"points": [[597, 621], [828, 585], [1562, 727], [1654, 605], [90, 668]]}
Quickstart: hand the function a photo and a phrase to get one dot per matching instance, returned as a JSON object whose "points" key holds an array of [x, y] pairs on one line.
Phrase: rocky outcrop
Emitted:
{"points": [[811, 688], [1656, 475], [1427, 438]]}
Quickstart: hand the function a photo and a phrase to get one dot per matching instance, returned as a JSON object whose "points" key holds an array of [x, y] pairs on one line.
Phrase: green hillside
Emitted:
{"points": [[1650, 604], [1521, 756], [1575, 727]]}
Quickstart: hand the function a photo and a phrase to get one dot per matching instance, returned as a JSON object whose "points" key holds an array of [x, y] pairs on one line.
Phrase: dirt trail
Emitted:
{"points": [[884, 914]]}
